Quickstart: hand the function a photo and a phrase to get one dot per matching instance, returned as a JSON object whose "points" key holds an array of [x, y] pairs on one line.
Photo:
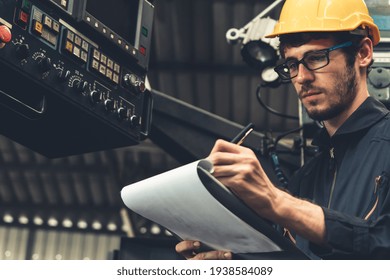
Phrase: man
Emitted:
{"points": [[338, 203]]}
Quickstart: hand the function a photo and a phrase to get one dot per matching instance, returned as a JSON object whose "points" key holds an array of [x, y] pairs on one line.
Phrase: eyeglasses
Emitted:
{"points": [[312, 60]]}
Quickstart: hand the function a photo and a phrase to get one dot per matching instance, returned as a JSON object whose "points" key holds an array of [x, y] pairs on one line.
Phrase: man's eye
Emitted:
{"points": [[315, 58], [292, 66]]}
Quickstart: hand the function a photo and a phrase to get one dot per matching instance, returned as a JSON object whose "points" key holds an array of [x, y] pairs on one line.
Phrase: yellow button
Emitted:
{"points": [[38, 27], [69, 46]]}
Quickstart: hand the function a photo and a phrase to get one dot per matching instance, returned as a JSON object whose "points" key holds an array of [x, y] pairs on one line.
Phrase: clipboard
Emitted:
{"points": [[179, 200], [241, 210]]}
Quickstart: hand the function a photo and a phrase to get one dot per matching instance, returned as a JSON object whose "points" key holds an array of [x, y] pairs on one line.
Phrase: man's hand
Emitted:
{"points": [[190, 250], [239, 169]]}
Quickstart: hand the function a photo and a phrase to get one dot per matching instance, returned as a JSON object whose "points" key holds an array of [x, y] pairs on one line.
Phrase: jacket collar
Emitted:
{"points": [[368, 113]]}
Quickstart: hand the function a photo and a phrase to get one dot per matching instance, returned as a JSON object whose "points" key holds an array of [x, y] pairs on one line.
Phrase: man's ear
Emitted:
{"points": [[365, 53]]}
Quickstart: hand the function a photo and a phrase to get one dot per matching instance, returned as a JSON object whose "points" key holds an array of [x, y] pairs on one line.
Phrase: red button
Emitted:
{"points": [[5, 34], [142, 50], [23, 17]]}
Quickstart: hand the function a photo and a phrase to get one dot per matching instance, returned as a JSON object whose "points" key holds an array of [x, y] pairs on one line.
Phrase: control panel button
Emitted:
{"points": [[22, 19], [132, 82], [37, 27], [26, 6], [122, 113], [80, 86], [22, 51], [75, 46], [63, 75], [95, 96], [44, 64], [109, 105], [129, 80], [135, 121], [142, 50], [105, 66], [45, 27], [5, 35]]}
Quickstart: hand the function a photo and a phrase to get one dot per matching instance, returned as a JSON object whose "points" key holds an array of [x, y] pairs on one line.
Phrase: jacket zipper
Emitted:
{"points": [[377, 183], [331, 152]]}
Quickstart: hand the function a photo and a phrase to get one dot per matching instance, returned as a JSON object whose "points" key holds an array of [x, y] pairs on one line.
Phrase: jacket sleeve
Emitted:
{"points": [[349, 237]]}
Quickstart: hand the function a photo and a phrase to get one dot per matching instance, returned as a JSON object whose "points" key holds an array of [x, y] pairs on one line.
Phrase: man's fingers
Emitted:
{"points": [[224, 146], [213, 255], [188, 248]]}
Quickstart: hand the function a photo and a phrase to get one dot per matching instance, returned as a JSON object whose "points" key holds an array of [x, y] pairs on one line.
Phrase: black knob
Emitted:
{"points": [[95, 96], [135, 120], [109, 104], [22, 51], [80, 86], [122, 113], [44, 63], [131, 81], [63, 75]]}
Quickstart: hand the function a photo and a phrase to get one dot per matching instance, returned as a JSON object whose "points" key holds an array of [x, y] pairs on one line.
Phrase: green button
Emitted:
{"points": [[26, 6], [144, 31]]}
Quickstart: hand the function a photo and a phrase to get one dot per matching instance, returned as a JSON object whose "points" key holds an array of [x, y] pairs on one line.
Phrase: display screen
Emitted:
{"points": [[380, 12], [118, 15]]}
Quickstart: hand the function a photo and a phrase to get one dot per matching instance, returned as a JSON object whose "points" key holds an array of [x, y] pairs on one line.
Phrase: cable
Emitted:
{"points": [[276, 165], [281, 136], [273, 154], [269, 109], [272, 147]]}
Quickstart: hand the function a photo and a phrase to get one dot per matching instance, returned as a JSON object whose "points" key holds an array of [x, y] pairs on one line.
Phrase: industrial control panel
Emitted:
{"points": [[73, 74]]}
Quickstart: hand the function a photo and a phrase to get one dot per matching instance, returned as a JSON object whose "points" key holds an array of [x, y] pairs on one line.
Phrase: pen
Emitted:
{"points": [[243, 134]]}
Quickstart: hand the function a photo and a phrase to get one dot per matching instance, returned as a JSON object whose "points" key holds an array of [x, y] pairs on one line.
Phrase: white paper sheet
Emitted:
{"points": [[178, 201]]}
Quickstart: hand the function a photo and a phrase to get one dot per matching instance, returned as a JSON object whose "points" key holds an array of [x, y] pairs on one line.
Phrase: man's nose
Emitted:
{"points": [[304, 74]]}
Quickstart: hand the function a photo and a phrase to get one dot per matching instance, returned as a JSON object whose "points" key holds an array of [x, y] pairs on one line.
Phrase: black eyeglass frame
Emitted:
{"points": [[283, 70]]}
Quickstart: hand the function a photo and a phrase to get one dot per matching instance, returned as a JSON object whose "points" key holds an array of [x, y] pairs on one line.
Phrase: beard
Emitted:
{"points": [[344, 92]]}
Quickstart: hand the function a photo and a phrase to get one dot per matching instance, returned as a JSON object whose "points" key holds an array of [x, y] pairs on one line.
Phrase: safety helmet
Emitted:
{"points": [[325, 16]]}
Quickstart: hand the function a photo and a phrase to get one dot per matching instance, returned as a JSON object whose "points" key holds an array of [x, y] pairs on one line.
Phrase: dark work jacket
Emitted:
{"points": [[349, 179]]}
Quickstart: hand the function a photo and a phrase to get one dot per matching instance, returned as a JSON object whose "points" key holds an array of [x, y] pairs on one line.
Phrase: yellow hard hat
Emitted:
{"points": [[325, 16]]}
